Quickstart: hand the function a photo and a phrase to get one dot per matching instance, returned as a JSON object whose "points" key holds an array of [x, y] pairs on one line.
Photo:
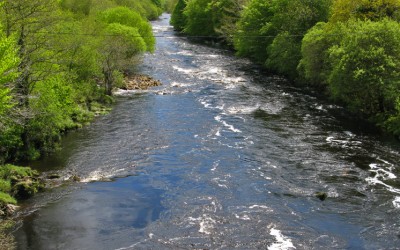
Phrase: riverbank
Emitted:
{"points": [[330, 49]]}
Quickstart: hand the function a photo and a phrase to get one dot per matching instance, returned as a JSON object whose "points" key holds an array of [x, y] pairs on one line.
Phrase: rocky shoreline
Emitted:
{"points": [[140, 82]]}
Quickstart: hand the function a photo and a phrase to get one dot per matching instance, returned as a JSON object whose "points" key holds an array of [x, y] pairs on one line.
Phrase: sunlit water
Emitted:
{"points": [[222, 156]]}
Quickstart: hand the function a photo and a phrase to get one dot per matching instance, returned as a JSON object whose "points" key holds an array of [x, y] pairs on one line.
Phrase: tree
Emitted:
{"points": [[314, 66], [29, 20], [77, 6], [8, 71], [9, 134], [255, 30], [229, 14], [374, 10], [130, 18], [292, 18], [169, 5], [365, 73], [199, 18], [119, 51], [178, 18]]}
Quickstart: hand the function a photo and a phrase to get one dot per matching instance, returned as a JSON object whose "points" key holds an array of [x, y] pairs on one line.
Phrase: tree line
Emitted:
{"points": [[59, 60], [347, 49]]}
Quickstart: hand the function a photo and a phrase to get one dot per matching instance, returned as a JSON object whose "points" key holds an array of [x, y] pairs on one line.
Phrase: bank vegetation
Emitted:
{"points": [[347, 49]]}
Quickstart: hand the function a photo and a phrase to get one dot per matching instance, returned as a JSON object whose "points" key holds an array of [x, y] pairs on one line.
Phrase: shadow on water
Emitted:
{"points": [[87, 217]]}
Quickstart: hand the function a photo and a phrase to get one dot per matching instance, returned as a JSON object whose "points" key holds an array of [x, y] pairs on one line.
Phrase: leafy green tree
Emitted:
{"points": [[292, 18], [120, 49], [366, 62], [199, 18], [9, 133], [271, 32], [255, 30], [169, 5], [344, 10], [127, 17], [8, 71], [29, 20], [229, 13], [178, 18], [53, 107], [314, 65], [77, 6], [146, 8]]}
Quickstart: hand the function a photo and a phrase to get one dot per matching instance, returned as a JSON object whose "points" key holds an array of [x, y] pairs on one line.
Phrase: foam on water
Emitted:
{"points": [[382, 172], [218, 118], [242, 109], [206, 223], [281, 242], [185, 53], [183, 70], [396, 202]]}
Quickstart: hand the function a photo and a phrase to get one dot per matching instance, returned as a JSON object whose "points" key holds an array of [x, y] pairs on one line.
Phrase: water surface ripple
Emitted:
{"points": [[222, 156]]}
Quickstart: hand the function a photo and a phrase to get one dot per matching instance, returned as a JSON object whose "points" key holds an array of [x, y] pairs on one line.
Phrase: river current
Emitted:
{"points": [[221, 156]]}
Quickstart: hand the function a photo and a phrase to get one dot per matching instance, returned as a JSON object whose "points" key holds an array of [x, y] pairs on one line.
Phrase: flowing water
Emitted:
{"points": [[222, 156]]}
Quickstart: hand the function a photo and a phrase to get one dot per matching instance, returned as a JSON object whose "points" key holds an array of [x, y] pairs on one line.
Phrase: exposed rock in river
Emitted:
{"points": [[140, 82]]}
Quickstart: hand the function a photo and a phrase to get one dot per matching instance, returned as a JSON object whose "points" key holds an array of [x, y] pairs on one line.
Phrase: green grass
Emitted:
{"points": [[7, 199]]}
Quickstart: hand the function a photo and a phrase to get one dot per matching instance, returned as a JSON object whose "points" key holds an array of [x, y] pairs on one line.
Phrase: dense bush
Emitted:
{"points": [[65, 50], [271, 31], [178, 18], [365, 67]]}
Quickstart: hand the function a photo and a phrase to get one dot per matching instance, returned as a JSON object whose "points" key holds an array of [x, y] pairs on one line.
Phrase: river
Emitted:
{"points": [[222, 156]]}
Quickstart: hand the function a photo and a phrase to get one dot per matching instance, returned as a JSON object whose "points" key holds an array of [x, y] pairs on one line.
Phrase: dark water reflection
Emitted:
{"points": [[222, 156]]}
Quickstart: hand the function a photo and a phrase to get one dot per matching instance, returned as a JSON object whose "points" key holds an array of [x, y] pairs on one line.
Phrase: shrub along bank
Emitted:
{"points": [[59, 61]]}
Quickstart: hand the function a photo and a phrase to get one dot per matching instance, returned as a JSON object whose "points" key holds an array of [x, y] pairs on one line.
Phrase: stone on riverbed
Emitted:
{"points": [[321, 195]]}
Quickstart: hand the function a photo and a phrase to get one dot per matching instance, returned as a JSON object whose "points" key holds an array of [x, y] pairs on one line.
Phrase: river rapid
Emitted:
{"points": [[222, 156]]}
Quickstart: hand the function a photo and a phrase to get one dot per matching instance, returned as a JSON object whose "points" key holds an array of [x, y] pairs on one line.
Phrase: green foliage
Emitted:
{"points": [[9, 172], [178, 18], [271, 31], [10, 140], [375, 10], [366, 63], [77, 6], [129, 18], [314, 66], [358, 62], [7, 199], [8, 71], [199, 18], [209, 17], [255, 30], [54, 106], [293, 18], [284, 55], [126, 36], [228, 14], [169, 5], [146, 8], [392, 123], [19, 182], [50, 78], [5, 186]]}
